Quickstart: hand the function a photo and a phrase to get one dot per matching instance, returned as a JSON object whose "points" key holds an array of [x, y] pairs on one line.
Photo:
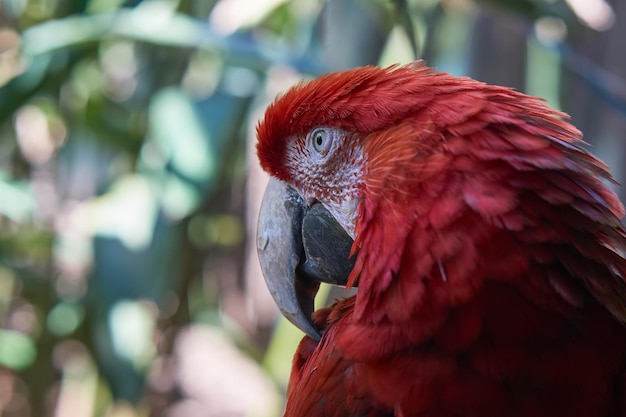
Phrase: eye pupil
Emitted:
{"points": [[319, 139]]}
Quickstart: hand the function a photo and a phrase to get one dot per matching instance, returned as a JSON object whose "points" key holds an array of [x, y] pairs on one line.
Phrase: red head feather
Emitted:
{"points": [[362, 100]]}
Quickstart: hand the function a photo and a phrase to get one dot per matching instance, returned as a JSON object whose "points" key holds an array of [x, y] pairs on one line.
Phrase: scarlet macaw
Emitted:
{"points": [[488, 252]]}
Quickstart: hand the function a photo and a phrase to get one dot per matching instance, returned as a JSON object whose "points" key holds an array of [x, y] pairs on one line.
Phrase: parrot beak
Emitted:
{"points": [[299, 247]]}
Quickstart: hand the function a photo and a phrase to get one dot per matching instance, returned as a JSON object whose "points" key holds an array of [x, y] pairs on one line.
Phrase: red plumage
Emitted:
{"points": [[489, 254]]}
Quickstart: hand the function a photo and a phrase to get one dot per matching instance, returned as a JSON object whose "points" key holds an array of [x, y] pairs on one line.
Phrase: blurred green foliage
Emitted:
{"points": [[123, 130]]}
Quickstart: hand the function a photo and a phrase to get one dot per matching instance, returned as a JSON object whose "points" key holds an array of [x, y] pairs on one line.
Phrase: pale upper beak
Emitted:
{"points": [[300, 246]]}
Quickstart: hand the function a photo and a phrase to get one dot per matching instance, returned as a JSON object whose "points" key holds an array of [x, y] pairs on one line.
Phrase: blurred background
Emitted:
{"points": [[129, 187]]}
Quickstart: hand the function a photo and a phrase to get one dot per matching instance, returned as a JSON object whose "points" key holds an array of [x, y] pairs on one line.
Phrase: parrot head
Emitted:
{"points": [[313, 141], [313, 138], [310, 141]]}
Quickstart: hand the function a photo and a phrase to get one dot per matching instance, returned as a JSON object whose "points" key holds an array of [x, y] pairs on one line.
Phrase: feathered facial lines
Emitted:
{"points": [[320, 159], [327, 164]]}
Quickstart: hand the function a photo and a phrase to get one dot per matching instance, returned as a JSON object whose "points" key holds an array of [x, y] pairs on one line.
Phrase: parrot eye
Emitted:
{"points": [[321, 141]]}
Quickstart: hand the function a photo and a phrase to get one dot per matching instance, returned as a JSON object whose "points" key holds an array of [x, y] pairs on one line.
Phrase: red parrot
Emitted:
{"points": [[487, 250]]}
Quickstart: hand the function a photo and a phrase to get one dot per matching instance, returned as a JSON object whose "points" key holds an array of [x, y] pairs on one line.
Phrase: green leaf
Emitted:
{"points": [[65, 318], [16, 203], [21, 88], [178, 130], [17, 351]]}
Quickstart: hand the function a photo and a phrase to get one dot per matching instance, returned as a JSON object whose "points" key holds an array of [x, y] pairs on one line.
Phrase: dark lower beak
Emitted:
{"points": [[299, 247]]}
